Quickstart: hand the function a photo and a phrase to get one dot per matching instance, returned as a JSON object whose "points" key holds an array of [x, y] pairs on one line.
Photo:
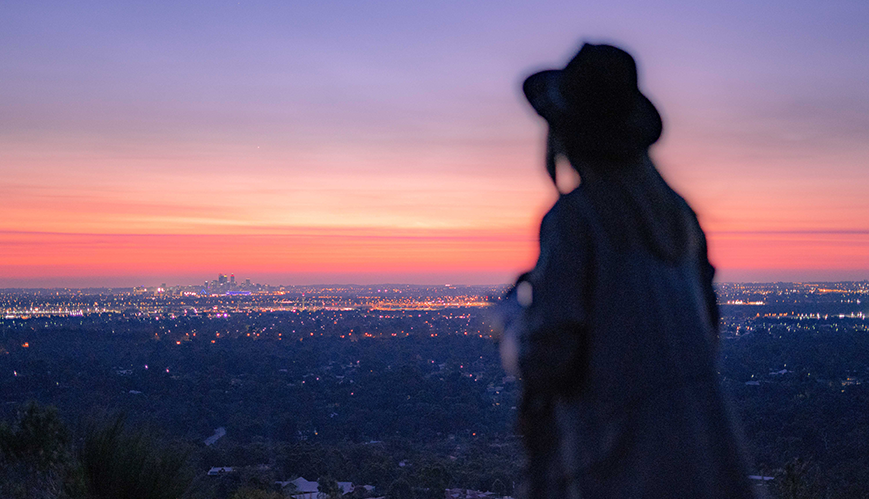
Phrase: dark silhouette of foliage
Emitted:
{"points": [[118, 462], [35, 460], [434, 479], [253, 493], [381, 402], [38, 436], [795, 481], [499, 488], [328, 488], [400, 489]]}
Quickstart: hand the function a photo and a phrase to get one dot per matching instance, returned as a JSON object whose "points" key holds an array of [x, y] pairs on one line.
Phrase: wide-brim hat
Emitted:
{"points": [[595, 104]]}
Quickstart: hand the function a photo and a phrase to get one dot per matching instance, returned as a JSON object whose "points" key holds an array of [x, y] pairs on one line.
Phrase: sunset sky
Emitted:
{"points": [[295, 142]]}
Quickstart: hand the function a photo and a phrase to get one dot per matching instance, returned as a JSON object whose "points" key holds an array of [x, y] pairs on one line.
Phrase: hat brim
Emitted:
{"points": [[543, 91]]}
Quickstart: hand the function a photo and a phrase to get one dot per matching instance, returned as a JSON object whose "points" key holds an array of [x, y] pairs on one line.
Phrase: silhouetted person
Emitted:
{"points": [[615, 330]]}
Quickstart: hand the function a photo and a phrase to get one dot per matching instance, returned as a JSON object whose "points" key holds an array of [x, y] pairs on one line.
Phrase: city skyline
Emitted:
{"points": [[384, 142]]}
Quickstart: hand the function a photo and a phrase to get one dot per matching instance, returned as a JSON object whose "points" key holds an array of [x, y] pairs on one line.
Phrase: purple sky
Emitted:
{"points": [[153, 118]]}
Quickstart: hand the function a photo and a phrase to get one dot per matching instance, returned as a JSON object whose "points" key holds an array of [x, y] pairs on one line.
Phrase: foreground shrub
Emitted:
{"points": [[119, 462]]}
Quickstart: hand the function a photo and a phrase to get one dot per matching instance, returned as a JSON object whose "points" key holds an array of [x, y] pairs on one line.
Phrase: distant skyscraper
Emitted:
{"points": [[221, 278], [232, 279]]}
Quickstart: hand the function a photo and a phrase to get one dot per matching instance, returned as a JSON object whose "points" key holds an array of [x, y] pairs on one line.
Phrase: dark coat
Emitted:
{"points": [[618, 354]]}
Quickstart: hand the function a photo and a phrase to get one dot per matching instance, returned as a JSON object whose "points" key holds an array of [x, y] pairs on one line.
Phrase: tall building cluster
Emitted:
{"points": [[226, 284]]}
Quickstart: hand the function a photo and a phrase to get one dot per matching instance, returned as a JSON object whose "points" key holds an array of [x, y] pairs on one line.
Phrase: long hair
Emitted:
{"points": [[636, 207]]}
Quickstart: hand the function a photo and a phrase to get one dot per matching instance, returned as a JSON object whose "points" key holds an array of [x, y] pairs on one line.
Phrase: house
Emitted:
{"points": [[760, 480], [220, 470], [306, 489], [471, 494], [302, 489]]}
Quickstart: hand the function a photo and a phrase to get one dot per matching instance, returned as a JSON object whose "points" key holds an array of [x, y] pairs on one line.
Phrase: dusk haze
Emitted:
{"points": [[389, 141]]}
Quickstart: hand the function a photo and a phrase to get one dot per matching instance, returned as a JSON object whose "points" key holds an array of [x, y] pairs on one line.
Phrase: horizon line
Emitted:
{"points": [[385, 284]]}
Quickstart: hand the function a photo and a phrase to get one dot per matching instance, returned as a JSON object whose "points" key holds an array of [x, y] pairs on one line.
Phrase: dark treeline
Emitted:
{"points": [[314, 388], [804, 409], [422, 411], [429, 411]]}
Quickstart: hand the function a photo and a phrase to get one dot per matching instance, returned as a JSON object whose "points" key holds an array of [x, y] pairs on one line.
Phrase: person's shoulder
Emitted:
{"points": [[690, 214], [696, 238], [568, 214], [687, 212], [574, 202], [573, 207]]}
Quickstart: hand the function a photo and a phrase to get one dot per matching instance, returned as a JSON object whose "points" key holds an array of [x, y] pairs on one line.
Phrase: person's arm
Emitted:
{"points": [[508, 322], [553, 346]]}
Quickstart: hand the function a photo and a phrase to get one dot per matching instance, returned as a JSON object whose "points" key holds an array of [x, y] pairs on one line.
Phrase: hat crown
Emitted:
{"points": [[600, 81]]}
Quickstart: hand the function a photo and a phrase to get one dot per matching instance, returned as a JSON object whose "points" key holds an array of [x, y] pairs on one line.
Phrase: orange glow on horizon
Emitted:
{"points": [[332, 253], [459, 214], [320, 252]]}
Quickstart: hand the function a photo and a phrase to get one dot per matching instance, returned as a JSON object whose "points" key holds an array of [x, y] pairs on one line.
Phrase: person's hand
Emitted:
{"points": [[509, 348], [511, 324]]}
